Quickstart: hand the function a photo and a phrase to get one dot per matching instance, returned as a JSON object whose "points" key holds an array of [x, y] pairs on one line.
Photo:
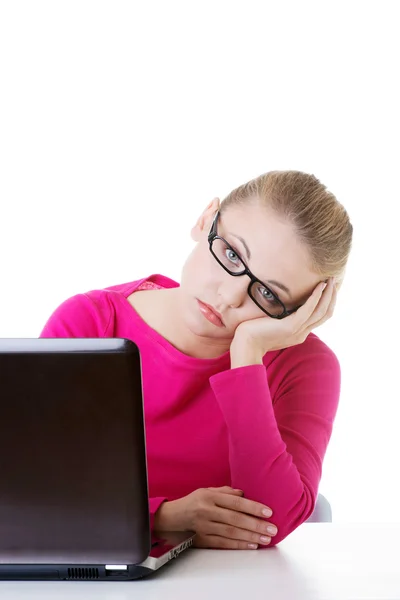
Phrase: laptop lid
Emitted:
{"points": [[73, 480]]}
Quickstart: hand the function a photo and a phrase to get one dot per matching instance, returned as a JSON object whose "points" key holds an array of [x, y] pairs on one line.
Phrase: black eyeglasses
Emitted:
{"points": [[229, 260]]}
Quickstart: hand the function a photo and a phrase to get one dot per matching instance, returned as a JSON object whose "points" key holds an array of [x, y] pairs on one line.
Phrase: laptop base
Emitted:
{"points": [[163, 551]]}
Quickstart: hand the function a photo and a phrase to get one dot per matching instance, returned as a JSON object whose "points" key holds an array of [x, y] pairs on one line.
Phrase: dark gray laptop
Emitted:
{"points": [[73, 477]]}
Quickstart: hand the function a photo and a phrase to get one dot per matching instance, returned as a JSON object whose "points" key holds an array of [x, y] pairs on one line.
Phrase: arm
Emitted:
{"points": [[277, 445], [85, 317]]}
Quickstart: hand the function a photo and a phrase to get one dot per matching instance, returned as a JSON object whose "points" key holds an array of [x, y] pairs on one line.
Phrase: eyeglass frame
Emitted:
{"points": [[213, 235]]}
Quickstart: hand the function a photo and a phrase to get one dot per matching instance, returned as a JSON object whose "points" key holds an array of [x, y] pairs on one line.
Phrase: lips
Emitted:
{"points": [[210, 314], [213, 310]]}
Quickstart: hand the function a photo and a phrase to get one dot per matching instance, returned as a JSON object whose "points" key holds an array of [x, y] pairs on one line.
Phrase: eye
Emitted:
{"points": [[265, 292], [267, 295], [231, 255]]}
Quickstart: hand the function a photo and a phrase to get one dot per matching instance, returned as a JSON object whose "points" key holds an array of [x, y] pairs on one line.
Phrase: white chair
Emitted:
{"points": [[322, 511]]}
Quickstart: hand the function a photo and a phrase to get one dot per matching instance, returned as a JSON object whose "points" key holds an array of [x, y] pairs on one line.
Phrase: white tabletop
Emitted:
{"points": [[318, 561]]}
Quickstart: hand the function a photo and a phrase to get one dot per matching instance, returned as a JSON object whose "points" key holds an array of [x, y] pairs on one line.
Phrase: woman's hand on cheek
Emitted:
{"points": [[254, 338]]}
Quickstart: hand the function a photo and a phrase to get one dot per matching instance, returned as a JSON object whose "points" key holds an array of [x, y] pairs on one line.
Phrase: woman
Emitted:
{"points": [[239, 396]]}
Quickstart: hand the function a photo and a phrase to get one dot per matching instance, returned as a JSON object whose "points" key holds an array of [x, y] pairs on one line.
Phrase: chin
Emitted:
{"points": [[197, 326]]}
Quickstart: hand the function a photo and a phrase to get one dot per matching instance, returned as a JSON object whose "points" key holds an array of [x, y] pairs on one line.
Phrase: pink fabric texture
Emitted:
{"points": [[261, 428]]}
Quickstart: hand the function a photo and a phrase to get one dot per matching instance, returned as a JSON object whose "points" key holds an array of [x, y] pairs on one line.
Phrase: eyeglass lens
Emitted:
{"points": [[262, 295]]}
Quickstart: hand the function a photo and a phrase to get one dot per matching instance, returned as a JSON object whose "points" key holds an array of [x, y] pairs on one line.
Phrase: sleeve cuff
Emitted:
{"points": [[154, 505]]}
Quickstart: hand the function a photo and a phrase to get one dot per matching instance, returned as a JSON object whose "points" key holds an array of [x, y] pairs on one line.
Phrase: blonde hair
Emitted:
{"points": [[319, 219]]}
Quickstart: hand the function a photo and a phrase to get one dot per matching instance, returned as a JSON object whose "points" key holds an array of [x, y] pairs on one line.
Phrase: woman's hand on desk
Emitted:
{"points": [[220, 517]]}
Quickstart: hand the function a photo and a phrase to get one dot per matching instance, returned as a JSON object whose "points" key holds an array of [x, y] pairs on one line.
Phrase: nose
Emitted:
{"points": [[233, 290]]}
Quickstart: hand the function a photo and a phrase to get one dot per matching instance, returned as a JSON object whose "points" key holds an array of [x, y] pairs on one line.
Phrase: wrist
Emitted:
{"points": [[245, 361], [166, 517], [243, 354]]}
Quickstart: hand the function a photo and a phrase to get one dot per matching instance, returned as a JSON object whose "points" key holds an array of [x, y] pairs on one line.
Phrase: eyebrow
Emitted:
{"points": [[271, 281]]}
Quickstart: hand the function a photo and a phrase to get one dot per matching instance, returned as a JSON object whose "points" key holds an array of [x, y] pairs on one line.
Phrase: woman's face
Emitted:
{"points": [[273, 254]]}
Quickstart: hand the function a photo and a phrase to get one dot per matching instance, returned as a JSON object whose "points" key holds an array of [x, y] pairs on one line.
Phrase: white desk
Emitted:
{"points": [[318, 561]]}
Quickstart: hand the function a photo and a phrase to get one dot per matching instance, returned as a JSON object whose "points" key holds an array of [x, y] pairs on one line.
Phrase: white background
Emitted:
{"points": [[120, 121]]}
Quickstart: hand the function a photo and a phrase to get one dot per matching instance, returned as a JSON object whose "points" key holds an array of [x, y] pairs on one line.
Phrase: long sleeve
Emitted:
{"points": [[154, 505], [84, 317], [277, 445]]}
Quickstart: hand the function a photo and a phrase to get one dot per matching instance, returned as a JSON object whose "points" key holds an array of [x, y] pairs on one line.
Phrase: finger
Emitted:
{"points": [[218, 542], [327, 296], [236, 533], [319, 301], [244, 505], [302, 316], [325, 308], [227, 490], [231, 520]]}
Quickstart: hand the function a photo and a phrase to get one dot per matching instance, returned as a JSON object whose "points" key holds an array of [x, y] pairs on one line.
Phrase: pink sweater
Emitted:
{"points": [[261, 428]]}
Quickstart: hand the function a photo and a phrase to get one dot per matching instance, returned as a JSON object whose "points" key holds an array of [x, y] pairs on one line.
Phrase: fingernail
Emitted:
{"points": [[264, 539], [253, 546], [272, 530], [267, 512]]}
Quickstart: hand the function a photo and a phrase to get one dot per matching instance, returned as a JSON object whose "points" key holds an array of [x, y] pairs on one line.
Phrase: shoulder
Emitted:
{"points": [[87, 314], [82, 315], [92, 313]]}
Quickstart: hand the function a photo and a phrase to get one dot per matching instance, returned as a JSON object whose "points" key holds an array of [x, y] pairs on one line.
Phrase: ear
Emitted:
{"points": [[203, 223]]}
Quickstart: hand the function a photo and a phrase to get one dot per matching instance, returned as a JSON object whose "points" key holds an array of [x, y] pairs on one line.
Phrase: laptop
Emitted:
{"points": [[73, 473]]}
